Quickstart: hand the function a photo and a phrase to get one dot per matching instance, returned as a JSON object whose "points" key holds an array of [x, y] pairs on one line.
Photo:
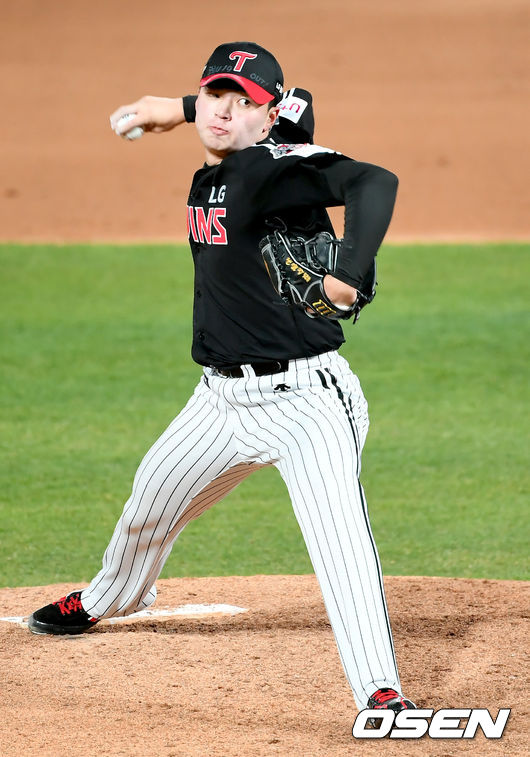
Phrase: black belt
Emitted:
{"points": [[260, 369]]}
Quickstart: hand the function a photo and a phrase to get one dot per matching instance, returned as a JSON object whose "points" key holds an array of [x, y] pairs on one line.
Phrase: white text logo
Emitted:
{"points": [[444, 724]]}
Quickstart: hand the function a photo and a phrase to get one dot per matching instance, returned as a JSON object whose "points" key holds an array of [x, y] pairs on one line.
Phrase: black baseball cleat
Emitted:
{"points": [[387, 699], [66, 616]]}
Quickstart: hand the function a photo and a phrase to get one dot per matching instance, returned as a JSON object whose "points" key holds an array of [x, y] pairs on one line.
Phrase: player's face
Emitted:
{"points": [[228, 120]]}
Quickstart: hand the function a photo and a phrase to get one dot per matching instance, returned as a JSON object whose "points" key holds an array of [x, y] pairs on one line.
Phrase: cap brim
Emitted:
{"points": [[257, 93]]}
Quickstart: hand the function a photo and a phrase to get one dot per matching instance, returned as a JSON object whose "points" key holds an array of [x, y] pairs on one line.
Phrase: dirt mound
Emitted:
{"points": [[263, 682]]}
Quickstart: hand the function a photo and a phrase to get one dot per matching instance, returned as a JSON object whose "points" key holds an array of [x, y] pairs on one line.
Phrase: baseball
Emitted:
{"points": [[135, 133]]}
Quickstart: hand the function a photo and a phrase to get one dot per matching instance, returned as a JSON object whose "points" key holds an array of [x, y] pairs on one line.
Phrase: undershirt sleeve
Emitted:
{"points": [[188, 104], [367, 191]]}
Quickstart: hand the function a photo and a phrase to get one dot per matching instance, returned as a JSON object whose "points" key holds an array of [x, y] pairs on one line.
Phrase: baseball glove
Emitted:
{"points": [[297, 266]]}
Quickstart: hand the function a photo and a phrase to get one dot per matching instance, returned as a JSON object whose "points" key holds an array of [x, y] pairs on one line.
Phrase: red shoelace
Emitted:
{"points": [[69, 604], [381, 697]]}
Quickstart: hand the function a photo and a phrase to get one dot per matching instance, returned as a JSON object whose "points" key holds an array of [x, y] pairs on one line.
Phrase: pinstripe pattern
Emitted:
{"points": [[310, 422]]}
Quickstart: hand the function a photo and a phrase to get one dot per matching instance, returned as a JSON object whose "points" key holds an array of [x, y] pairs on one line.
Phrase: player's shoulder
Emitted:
{"points": [[271, 150], [271, 159]]}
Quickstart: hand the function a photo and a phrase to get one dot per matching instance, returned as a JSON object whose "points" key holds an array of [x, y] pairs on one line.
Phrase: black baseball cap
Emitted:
{"points": [[250, 65]]}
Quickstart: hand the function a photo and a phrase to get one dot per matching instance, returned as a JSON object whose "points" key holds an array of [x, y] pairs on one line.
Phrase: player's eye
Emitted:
{"points": [[245, 102]]}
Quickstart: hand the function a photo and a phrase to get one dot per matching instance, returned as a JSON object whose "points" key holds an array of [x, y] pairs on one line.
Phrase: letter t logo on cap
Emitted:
{"points": [[243, 57]]}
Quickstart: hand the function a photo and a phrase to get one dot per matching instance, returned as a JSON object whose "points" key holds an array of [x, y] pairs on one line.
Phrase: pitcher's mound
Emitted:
{"points": [[253, 670]]}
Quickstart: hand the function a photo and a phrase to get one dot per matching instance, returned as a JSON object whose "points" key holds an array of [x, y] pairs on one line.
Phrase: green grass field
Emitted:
{"points": [[95, 362]]}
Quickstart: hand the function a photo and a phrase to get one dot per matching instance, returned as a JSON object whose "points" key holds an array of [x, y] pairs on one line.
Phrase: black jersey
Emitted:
{"points": [[237, 316]]}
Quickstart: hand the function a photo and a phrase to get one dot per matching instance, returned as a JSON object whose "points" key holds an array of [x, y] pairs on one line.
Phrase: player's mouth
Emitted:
{"points": [[218, 131]]}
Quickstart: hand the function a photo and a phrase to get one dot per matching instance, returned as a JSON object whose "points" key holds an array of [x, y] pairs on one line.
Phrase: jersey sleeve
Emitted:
{"points": [[310, 175]]}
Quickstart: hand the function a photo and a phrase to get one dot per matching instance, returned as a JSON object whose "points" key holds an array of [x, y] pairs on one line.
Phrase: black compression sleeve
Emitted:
{"points": [[368, 193], [188, 103]]}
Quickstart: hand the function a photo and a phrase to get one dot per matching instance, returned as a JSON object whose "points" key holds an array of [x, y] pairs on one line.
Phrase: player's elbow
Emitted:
{"points": [[385, 186], [389, 180], [375, 179]]}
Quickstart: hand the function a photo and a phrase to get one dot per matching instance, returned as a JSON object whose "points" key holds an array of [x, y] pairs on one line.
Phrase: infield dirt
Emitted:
{"points": [[264, 682], [437, 92]]}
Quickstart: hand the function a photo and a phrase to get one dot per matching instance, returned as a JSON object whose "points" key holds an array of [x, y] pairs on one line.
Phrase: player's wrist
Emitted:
{"points": [[166, 112], [342, 295]]}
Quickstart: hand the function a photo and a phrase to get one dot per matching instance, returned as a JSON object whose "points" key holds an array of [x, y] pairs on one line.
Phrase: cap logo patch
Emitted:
{"points": [[242, 58]]}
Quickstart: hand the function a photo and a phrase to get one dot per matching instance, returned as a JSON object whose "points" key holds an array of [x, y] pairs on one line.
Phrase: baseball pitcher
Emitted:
{"points": [[272, 287]]}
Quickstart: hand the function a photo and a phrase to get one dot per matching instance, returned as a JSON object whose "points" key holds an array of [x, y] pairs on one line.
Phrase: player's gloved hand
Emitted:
{"points": [[156, 114], [297, 268]]}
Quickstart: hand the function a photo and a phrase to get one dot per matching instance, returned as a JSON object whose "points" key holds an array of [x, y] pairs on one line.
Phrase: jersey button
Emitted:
{"points": [[198, 293], [201, 336]]}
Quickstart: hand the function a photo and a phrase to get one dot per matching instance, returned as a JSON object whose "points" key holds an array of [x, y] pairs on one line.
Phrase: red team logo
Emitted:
{"points": [[243, 57]]}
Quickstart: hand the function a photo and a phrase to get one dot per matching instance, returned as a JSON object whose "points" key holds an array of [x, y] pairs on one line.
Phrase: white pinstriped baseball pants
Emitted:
{"points": [[313, 432]]}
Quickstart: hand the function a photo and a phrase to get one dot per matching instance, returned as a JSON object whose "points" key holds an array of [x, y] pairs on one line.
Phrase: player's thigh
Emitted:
{"points": [[195, 449], [321, 459], [346, 385]]}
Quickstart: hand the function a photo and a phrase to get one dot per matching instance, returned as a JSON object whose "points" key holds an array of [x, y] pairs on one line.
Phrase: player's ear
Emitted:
{"points": [[272, 115]]}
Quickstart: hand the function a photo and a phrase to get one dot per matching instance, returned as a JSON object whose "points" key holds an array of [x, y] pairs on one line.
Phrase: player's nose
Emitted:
{"points": [[223, 107]]}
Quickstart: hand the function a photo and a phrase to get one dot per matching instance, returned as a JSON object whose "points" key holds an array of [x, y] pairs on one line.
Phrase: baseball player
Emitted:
{"points": [[266, 329]]}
